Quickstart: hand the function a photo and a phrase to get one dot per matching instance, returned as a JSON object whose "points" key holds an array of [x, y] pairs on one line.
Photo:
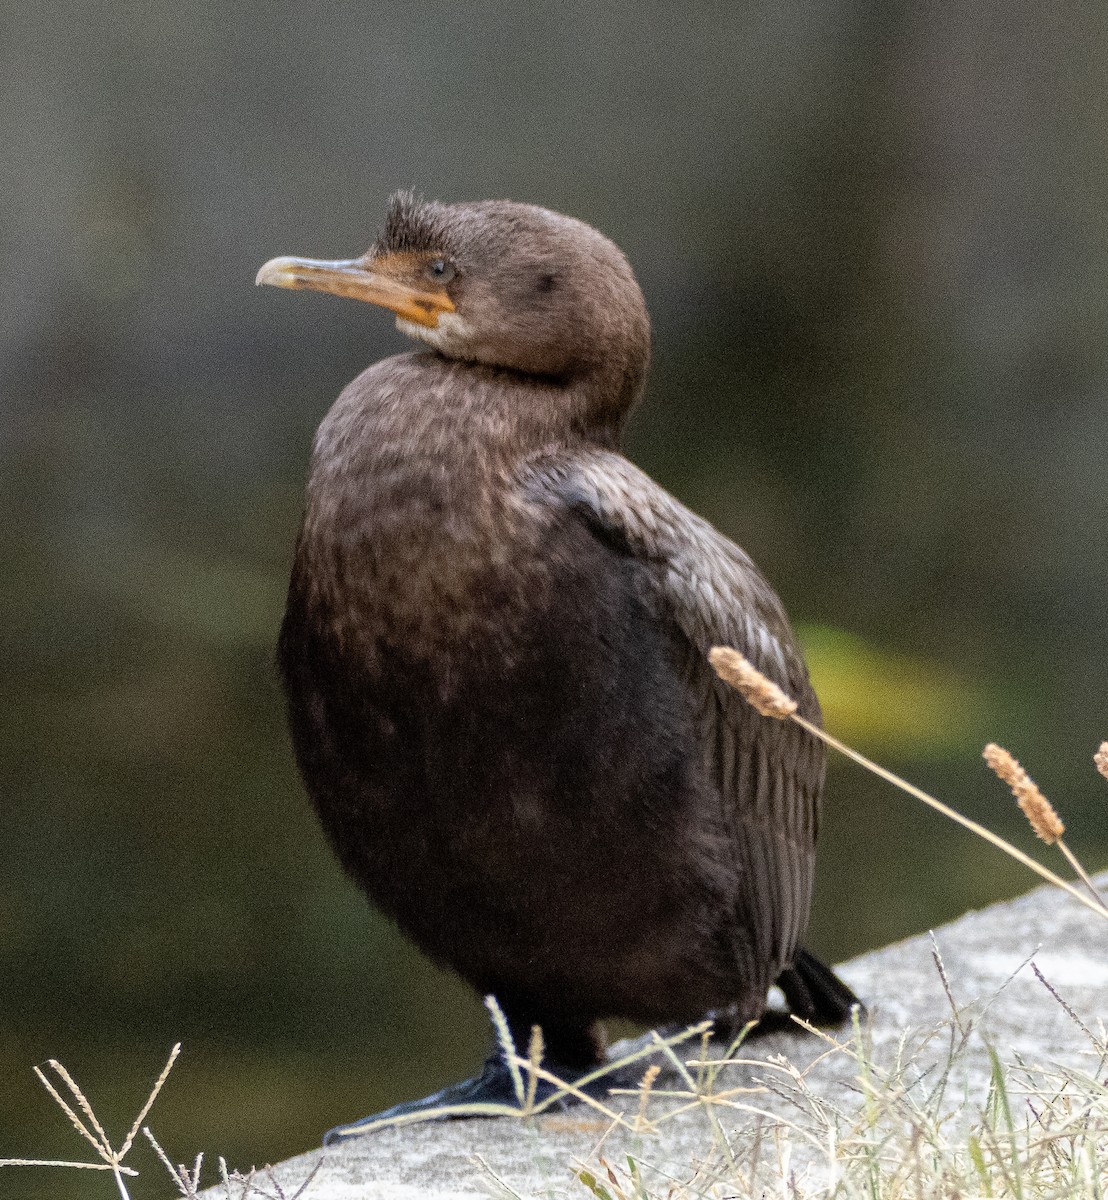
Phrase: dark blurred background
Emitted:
{"points": [[872, 236]]}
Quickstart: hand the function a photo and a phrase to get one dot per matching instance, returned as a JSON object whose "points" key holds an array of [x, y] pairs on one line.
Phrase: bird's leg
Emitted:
{"points": [[574, 1044], [572, 1050]]}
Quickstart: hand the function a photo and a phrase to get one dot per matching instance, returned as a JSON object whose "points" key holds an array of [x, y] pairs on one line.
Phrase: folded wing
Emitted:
{"points": [[768, 773]]}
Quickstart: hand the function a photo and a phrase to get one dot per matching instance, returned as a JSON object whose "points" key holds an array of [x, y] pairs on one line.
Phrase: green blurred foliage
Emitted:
{"points": [[872, 241], [884, 702]]}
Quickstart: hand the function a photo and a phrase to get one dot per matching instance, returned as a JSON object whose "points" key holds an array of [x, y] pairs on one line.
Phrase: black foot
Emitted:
{"points": [[493, 1086], [815, 993]]}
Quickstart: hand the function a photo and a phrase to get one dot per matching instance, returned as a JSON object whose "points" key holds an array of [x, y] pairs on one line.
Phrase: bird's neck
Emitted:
{"points": [[412, 506], [424, 428]]}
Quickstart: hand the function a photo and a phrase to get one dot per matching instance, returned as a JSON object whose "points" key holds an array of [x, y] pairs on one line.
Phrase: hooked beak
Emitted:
{"points": [[376, 280]]}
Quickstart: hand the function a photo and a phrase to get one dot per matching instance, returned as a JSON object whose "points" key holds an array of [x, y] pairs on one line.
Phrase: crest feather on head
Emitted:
{"points": [[412, 226]]}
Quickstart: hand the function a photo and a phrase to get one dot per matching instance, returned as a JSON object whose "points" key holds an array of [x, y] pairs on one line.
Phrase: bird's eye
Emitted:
{"points": [[441, 270]]}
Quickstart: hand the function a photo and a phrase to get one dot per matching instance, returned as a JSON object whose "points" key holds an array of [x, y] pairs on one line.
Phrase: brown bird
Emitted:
{"points": [[494, 654]]}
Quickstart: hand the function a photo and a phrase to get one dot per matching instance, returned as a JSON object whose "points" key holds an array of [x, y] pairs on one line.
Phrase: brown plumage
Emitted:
{"points": [[494, 652]]}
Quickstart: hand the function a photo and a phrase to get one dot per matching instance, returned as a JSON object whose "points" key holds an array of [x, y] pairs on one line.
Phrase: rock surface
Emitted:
{"points": [[910, 1031]]}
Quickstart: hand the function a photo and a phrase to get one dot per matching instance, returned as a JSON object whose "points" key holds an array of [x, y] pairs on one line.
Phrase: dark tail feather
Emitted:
{"points": [[815, 993]]}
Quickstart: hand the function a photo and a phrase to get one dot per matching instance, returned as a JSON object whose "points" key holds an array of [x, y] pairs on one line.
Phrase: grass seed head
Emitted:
{"points": [[1033, 804], [1101, 759], [750, 683]]}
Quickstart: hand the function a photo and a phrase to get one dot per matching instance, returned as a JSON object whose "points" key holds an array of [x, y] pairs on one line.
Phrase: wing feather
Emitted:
{"points": [[768, 773]]}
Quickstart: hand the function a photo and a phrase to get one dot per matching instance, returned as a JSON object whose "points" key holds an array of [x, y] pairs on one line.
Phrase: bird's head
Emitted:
{"points": [[504, 284]]}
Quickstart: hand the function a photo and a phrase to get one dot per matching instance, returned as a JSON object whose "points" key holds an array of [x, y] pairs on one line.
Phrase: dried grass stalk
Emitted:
{"points": [[769, 700]]}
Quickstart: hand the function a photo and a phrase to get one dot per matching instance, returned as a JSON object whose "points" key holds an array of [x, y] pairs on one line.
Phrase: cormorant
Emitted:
{"points": [[494, 655]]}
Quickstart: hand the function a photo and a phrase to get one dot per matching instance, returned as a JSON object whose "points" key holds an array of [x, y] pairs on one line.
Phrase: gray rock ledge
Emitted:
{"points": [[1000, 1001]]}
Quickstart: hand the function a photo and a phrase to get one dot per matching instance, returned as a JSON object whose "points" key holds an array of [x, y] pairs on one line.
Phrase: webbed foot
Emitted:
{"points": [[494, 1085]]}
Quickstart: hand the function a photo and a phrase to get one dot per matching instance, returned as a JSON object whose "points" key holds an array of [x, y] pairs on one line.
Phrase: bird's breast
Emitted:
{"points": [[422, 571], [414, 531]]}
